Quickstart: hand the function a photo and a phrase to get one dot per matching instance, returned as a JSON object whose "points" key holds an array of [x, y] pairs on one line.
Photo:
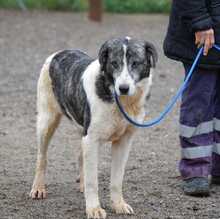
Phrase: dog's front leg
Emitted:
{"points": [[120, 153], [90, 146]]}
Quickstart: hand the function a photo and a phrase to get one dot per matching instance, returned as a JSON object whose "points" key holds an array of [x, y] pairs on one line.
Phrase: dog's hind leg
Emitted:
{"points": [[120, 153], [48, 118]]}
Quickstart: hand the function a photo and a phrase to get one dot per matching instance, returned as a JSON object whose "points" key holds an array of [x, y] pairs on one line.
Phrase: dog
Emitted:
{"points": [[73, 84]]}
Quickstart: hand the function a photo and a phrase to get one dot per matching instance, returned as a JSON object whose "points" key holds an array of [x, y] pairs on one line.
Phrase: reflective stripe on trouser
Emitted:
{"points": [[216, 148], [198, 121]]}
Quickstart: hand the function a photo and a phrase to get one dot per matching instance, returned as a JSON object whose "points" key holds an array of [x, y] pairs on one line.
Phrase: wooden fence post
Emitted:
{"points": [[95, 10]]}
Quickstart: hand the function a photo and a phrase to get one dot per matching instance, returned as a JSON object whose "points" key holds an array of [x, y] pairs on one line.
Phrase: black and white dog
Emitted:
{"points": [[73, 84]]}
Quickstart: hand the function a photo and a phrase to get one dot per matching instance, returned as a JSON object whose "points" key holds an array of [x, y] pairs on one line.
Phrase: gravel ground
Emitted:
{"points": [[152, 182]]}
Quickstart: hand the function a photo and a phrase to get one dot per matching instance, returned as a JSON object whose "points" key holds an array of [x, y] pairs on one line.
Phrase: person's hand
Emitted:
{"points": [[205, 38]]}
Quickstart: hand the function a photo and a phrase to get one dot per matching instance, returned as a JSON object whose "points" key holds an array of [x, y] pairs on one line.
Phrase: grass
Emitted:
{"points": [[70, 5], [138, 6], [115, 6]]}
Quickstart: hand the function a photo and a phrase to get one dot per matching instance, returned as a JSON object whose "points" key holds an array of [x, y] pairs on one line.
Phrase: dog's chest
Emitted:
{"points": [[113, 127], [120, 130], [116, 125]]}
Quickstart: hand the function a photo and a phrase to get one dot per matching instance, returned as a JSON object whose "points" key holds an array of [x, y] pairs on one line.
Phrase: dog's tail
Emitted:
{"points": [[45, 95]]}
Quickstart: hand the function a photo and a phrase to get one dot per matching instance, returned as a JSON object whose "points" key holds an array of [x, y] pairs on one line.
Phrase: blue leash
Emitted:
{"points": [[172, 101]]}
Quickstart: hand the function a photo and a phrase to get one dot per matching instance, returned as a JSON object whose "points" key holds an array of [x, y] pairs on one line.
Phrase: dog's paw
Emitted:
{"points": [[38, 193], [122, 207], [96, 213]]}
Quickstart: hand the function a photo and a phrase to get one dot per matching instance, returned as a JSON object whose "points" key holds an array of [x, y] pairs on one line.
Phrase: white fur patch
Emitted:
{"points": [[128, 38], [125, 78]]}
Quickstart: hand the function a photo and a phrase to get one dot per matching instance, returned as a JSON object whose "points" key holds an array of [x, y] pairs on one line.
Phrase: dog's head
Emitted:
{"points": [[126, 62]]}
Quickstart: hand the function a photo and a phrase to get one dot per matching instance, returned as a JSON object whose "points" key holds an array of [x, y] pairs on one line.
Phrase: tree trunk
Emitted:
{"points": [[95, 10]]}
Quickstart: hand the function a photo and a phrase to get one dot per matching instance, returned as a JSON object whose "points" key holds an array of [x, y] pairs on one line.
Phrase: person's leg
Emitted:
{"points": [[196, 127], [216, 149]]}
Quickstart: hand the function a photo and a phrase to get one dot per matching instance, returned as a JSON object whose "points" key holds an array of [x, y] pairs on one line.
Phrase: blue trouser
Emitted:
{"points": [[200, 125]]}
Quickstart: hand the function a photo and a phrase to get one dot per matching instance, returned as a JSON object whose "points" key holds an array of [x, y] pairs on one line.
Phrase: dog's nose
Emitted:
{"points": [[124, 88]]}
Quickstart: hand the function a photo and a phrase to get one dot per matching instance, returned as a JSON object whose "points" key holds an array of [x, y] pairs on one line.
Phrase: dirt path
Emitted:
{"points": [[152, 185]]}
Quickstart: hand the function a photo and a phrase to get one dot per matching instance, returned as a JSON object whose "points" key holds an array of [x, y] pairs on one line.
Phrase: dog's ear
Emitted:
{"points": [[151, 54], [103, 55]]}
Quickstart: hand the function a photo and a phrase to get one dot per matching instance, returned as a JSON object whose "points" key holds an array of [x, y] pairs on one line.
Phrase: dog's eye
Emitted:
{"points": [[114, 64]]}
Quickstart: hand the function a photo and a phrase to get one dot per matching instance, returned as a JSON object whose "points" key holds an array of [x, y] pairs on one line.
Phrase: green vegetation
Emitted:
{"points": [[116, 6], [71, 5], [138, 6]]}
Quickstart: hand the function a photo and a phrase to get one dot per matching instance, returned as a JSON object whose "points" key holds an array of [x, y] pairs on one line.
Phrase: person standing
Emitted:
{"points": [[193, 24]]}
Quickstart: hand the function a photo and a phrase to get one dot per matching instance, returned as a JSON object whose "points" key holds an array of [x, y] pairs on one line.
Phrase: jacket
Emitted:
{"points": [[188, 17]]}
